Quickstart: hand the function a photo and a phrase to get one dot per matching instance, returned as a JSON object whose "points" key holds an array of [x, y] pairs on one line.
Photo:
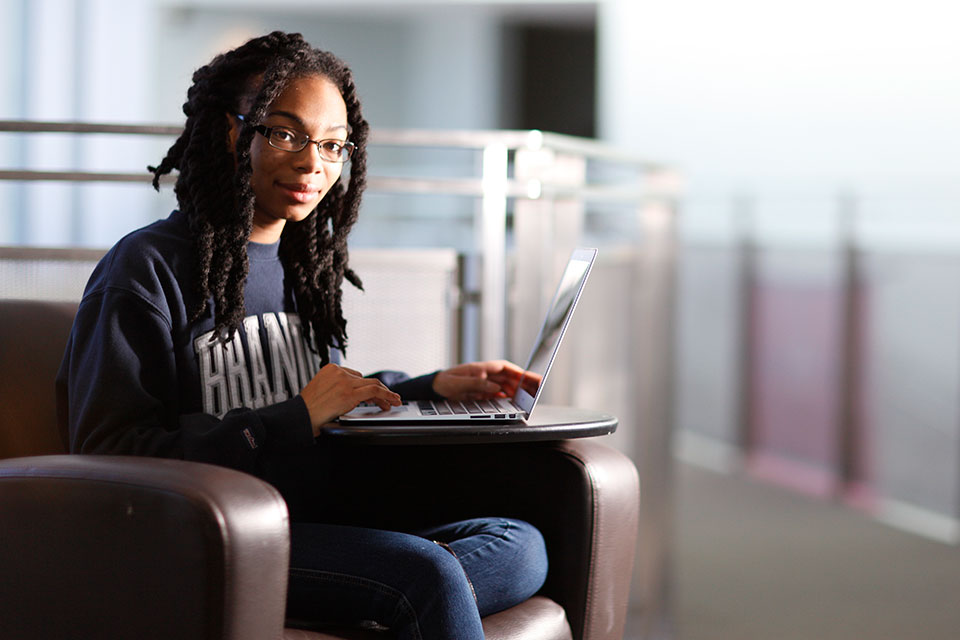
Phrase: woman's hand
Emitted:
{"points": [[335, 390], [478, 380]]}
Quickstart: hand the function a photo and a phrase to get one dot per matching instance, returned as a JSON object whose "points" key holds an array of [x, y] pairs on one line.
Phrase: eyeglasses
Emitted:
{"points": [[287, 139]]}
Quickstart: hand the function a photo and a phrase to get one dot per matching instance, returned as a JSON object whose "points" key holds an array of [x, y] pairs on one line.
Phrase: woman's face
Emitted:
{"points": [[289, 185]]}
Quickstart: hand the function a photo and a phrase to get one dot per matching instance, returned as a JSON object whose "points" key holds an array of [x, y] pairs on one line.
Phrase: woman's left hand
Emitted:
{"points": [[478, 380]]}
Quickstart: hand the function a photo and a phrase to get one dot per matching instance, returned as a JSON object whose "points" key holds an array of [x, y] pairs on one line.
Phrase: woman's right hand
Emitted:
{"points": [[335, 390]]}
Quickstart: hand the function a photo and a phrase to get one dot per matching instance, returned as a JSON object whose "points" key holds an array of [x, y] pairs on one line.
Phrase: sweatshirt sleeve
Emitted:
{"points": [[118, 392], [419, 388]]}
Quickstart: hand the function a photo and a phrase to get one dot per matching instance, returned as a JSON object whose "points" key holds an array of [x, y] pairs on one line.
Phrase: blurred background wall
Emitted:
{"points": [[816, 294]]}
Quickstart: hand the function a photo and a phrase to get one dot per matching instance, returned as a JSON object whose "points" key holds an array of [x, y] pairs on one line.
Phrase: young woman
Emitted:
{"points": [[214, 335]]}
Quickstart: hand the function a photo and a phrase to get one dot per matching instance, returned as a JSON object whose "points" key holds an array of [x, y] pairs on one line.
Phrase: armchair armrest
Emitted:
{"points": [[583, 495], [120, 547]]}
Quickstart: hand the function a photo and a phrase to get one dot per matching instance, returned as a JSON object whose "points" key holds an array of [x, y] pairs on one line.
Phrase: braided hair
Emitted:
{"points": [[214, 191]]}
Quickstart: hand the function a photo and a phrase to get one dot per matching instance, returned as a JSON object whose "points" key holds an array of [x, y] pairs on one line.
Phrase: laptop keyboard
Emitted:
{"points": [[447, 408]]}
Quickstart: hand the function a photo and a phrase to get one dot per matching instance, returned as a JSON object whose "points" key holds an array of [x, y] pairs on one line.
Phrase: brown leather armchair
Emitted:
{"points": [[121, 547]]}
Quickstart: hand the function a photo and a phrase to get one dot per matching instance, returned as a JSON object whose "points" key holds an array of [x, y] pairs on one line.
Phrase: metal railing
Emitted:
{"points": [[515, 165]]}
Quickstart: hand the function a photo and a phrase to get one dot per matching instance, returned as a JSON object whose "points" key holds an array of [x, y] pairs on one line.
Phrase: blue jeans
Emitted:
{"points": [[409, 583]]}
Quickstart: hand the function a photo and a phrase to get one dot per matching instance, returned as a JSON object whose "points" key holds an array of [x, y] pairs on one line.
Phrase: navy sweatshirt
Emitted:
{"points": [[138, 378]]}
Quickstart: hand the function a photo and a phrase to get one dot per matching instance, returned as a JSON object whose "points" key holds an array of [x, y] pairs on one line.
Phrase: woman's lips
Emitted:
{"points": [[300, 192]]}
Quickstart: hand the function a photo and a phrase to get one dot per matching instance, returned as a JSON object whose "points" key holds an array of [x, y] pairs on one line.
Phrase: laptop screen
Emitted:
{"points": [[554, 325]]}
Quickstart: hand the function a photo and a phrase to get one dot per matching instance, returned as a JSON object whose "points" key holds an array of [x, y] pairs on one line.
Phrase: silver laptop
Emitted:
{"points": [[531, 385]]}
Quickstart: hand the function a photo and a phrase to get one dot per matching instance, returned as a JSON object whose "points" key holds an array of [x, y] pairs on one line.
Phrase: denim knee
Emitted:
{"points": [[506, 562], [529, 565]]}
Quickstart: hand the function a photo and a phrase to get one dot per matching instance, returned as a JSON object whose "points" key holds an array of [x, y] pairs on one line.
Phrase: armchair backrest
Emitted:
{"points": [[33, 336]]}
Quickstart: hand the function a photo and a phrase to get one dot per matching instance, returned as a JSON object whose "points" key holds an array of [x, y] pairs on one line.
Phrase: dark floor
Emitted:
{"points": [[754, 561]]}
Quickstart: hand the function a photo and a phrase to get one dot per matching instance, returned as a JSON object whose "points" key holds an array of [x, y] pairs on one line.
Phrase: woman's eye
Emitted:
{"points": [[332, 146], [284, 135]]}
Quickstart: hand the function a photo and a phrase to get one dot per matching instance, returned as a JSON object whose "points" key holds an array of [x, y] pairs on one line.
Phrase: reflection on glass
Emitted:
{"points": [[554, 325]]}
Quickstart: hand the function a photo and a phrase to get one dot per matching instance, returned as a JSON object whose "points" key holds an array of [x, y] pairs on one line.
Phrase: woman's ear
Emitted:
{"points": [[233, 132]]}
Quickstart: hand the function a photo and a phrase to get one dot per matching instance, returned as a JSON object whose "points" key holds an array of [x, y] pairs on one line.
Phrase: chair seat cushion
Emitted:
{"points": [[538, 618]]}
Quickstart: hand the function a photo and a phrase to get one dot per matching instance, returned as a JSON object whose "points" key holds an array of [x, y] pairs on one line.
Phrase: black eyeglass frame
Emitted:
{"points": [[347, 147]]}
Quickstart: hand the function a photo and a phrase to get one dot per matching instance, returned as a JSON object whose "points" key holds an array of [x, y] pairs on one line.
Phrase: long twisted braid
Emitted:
{"points": [[214, 189]]}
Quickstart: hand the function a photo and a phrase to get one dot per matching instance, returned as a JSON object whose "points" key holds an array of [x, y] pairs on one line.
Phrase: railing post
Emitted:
{"points": [[492, 232], [744, 211], [652, 361], [851, 461]]}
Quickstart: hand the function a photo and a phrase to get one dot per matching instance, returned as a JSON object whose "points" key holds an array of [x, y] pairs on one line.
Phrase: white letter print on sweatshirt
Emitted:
{"points": [[232, 376]]}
